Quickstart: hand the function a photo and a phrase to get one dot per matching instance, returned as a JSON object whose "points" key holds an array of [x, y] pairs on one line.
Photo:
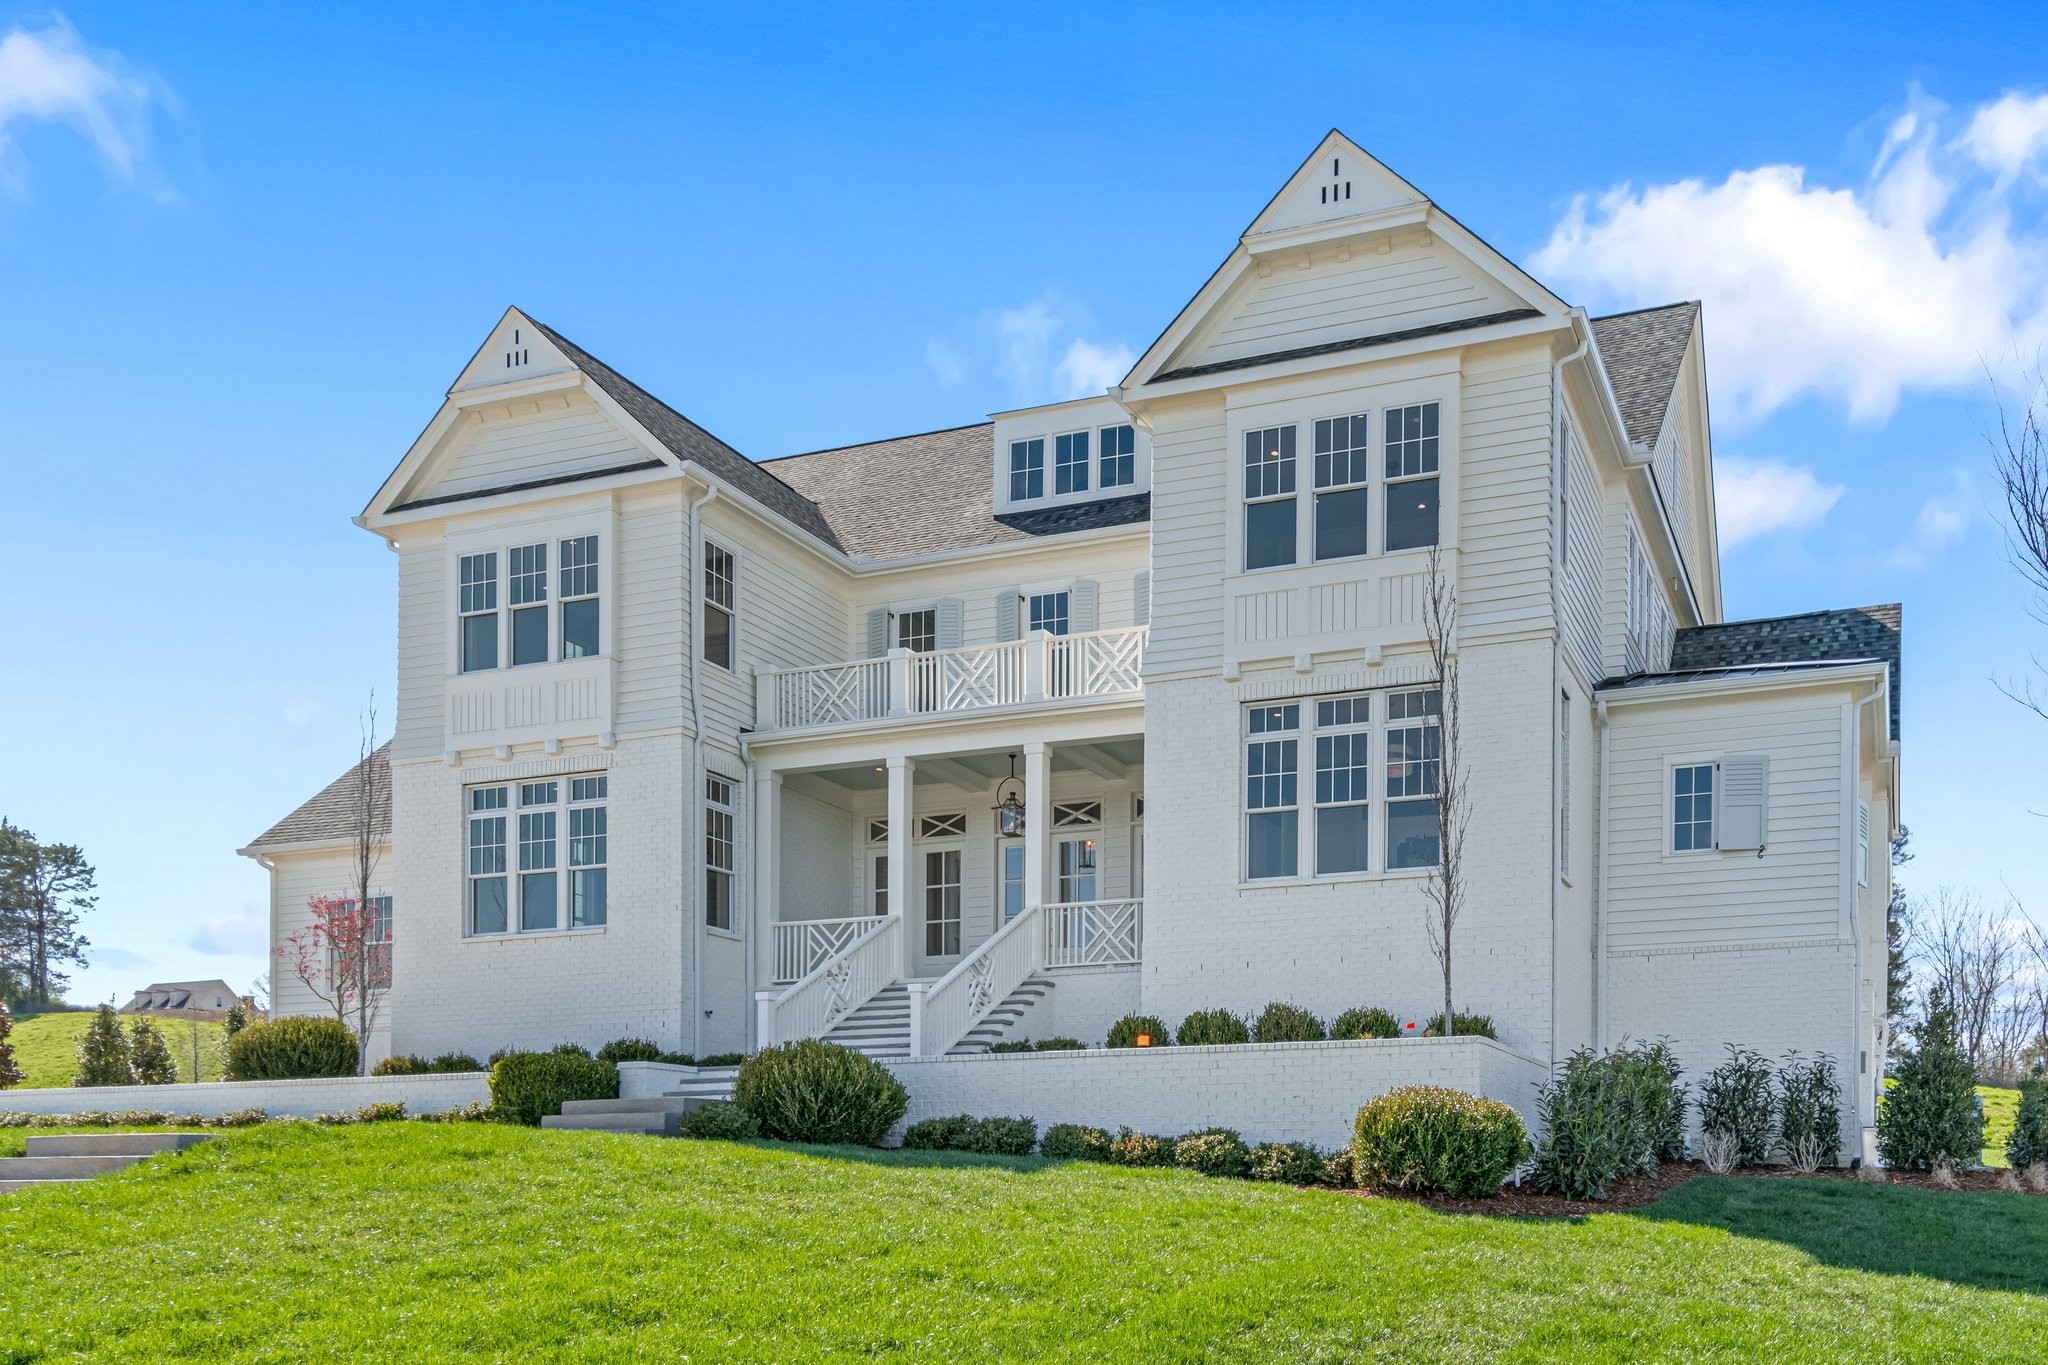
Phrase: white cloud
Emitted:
{"points": [[1756, 497], [243, 935], [1943, 521], [2008, 133], [1855, 295], [1035, 352], [1087, 369], [120, 959], [47, 75]]}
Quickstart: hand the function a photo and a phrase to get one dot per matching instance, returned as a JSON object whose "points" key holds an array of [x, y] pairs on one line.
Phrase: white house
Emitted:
{"points": [[709, 750]]}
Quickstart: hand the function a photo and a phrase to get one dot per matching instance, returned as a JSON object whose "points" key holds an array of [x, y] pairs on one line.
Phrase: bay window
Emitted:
{"points": [[514, 631]]}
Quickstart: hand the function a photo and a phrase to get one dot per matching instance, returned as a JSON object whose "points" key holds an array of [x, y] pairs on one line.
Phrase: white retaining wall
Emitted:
{"points": [[419, 1095]]}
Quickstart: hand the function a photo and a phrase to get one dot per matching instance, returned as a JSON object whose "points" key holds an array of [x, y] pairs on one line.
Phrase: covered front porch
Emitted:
{"points": [[891, 881]]}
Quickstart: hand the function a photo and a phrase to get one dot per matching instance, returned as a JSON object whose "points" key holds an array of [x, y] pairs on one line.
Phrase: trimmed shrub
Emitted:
{"points": [[937, 1135], [1059, 1045], [1427, 1137], [1463, 1025], [629, 1050], [1649, 1075], [1001, 1137], [528, 1086], [1205, 1028], [1124, 1032], [1072, 1142], [103, 1052], [812, 1091], [1020, 1045], [1607, 1117], [723, 1059], [1341, 1170], [1280, 1022], [1366, 1023], [2028, 1144], [1931, 1110], [1287, 1163], [292, 1048], [148, 1055], [450, 1062], [1809, 1111], [570, 1050], [1737, 1098], [400, 1066], [1131, 1148], [1219, 1154], [476, 1111], [719, 1121]]}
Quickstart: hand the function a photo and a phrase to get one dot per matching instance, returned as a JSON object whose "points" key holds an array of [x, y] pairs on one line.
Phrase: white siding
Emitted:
{"points": [[1504, 487], [1112, 568], [1580, 585], [295, 878], [530, 438], [424, 613], [791, 611], [650, 616], [1190, 502]]}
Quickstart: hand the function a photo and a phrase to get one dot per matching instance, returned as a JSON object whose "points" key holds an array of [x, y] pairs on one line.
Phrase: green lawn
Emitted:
{"points": [[2000, 1108], [46, 1048], [415, 1241]]}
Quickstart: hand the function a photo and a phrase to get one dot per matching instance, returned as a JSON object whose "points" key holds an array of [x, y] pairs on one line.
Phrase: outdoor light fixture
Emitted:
{"points": [[1144, 1040], [1010, 807]]}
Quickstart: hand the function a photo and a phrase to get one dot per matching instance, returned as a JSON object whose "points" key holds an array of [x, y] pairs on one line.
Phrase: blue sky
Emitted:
{"points": [[242, 253]]}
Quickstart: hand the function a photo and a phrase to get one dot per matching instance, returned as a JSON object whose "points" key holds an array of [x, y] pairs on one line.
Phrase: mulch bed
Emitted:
{"points": [[1636, 1191]]}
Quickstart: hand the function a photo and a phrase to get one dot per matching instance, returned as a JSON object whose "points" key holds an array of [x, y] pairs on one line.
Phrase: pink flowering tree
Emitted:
{"points": [[343, 956]]}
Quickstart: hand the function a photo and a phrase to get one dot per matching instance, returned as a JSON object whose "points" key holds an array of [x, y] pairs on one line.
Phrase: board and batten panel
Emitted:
{"points": [[1504, 486], [531, 438], [425, 613], [1191, 473], [1791, 893], [650, 614], [1580, 586]]}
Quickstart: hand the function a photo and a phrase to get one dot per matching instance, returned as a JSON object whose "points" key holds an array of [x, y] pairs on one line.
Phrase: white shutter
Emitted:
{"points": [[1862, 843], [1006, 614], [878, 632], [1141, 599], [950, 613], [1745, 801], [1081, 605]]}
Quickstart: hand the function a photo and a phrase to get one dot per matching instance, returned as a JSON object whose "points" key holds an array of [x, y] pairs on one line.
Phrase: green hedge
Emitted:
{"points": [[1428, 1137], [1281, 1022], [721, 1121], [292, 1048], [527, 1086], [1366, 1023], [1219, 1152], [965, 1133], [1208, 1028], [1074, 1142], [1287, 1163], [812, 1091], [629, 1050], [1124, 1032]]}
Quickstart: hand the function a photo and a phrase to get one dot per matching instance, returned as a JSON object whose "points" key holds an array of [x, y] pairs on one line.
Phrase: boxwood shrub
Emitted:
{"points": [[1428, 1137], [719, 1120], [629, 1050], [1287, 1163], [1463, 1024], [1058, 1045], [964, 1133], [812, 1091], [1220, 1152], [528, 1086], [1074, 1142], [1124, 1032], [1281, 1022], [1131, 1148], [1371, 1022], [1206, 1028], [2029, 1141], [292, 1048], [402, 1065], [449, 1062]]}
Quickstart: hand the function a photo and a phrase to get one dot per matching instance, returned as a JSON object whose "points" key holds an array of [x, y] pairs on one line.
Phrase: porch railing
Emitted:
{"points": [[1094, 933], [1041, 667], [833, 989], [804, 945], [942, 1012]]}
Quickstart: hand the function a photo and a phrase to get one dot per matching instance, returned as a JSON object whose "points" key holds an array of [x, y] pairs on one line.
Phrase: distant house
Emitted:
{"points": [[198, 997]]}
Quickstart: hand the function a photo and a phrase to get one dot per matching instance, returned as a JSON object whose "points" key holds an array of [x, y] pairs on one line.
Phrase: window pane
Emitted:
{"points": [[1027, 470], [918, 630], [718, 899], [479, 574], [588, 891], [530, 635], [1411, 514], [1118, 464], [479, 643], [1268, 533], [717, 637], [1269, 462], [487, 845], [536, 901], [579, 566], [1070, 463], [529, 573], [487, 905], [1411, 834], [587, 838], [1411, 443], [1273, 836], [579, 628], [1048, 612], [1341, 838], [1340, 522]]}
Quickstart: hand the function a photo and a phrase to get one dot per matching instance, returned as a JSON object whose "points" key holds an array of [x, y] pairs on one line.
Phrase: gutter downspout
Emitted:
{"points": [[1558, 562], [693, 797], [1600, 889], [1869, 1075]]}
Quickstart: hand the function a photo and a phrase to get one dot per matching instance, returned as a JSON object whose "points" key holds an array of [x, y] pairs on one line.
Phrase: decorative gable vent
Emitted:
{"points": [[516, 354], [1338, 189]]}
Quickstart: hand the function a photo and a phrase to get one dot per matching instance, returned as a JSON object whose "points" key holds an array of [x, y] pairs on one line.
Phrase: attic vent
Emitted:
{"points": [[517, 355], [1335, 193]]}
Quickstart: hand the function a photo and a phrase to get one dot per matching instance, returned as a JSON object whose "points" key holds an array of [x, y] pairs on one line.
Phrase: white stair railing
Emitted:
{"points": [[834, 988], [942, 1012], [1094, 933], [803, 945]]}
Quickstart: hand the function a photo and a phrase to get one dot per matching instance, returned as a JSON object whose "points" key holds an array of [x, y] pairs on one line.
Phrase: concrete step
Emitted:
{"points": [[63, 1167], [113, 1144], [661, 1123], [10, 1186], [664, 1104]]}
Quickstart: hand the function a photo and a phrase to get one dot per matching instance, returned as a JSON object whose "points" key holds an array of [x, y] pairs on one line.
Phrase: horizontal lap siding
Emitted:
{"points": [[792, 612], [1581, 588], [1114, 569], [424, 613], [1190, 501], [650, 613], [1504, 489], [538, 438]]}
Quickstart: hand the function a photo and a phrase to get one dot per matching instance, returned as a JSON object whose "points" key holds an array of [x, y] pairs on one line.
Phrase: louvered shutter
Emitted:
{"points": [[1862, 843], [951, 613], [1141, 599], [1081, 605], [1006, 613], [1745, 801], [878, 633]]}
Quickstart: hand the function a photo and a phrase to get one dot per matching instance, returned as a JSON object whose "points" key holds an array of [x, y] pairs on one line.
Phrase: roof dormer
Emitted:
{"points": [[1084, 451]]}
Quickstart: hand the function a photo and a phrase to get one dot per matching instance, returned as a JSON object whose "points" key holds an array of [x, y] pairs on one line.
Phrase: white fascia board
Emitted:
{"points": [[1184, 322], [1083, 401], [1015, 549], [1877, 674], [1282, 240], [259, 852]]}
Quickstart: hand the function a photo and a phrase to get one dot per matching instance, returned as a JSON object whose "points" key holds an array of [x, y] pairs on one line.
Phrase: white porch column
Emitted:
{"points": [[767, 872], [1037, 819], [900, 774]]}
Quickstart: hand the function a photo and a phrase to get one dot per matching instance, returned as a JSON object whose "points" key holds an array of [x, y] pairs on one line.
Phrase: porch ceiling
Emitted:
{"points": [[991, 766]]}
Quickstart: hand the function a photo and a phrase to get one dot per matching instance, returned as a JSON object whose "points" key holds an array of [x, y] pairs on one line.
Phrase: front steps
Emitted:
{"points": [[657, 1117], [881, 1028], [998, 1022], [69, 1159]]}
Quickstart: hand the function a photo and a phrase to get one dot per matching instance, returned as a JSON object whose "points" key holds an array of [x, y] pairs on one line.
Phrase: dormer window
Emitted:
{"points": [[1119, 456], [512, 630], [1070, 463], [1027, 469]]}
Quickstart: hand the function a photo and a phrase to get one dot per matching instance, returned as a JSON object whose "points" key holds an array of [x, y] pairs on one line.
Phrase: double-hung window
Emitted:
{"points": [[1692, 807], [718, 851], [1070, 463], [487, 819], [377, 941], [918, 630], [1269, 511], [527, 582], [539, 836], [1414, 777], [579, 597], [525, 630], [1027, 469], [1119, 462], [479, 611], [1341, 472], [1050, 612], [1343, 784], [588, 851], [1272, 800], [515, 841], [720, 595], [1411, 450]]}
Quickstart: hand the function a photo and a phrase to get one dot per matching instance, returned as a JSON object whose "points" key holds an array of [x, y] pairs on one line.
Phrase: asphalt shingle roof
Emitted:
{"points": [[330, 814], [1811, 637], [1642, 351]]}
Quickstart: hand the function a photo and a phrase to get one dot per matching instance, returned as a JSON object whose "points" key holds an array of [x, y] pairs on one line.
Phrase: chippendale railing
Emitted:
{"points": [[834, 988], [942, 1012], [1094, 933], [1039, 668], [801, 946]]}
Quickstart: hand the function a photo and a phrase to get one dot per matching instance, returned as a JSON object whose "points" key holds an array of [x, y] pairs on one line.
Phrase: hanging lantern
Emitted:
{"points": [[1010, 806]]}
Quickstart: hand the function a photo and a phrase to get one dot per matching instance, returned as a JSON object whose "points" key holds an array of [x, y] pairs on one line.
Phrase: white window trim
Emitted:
{"points": [[1667, 831], [731, 610], [501, 538], [731, 808], [1091, 416], [511, 810], [1130, 484], [1052, 464]]}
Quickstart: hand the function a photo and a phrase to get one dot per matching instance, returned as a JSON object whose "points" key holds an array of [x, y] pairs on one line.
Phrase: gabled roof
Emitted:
{"points": [[930, 492], [330, 815], [1853, 633], [1642, 351]]}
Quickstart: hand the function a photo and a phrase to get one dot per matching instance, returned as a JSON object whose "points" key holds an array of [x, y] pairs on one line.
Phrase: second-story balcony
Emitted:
{"points": [[1039, 669]]}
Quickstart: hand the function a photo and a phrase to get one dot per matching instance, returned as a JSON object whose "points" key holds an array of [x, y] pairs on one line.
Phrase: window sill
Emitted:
{"points": [[1337, 878], [715, 932], [522, 936]]}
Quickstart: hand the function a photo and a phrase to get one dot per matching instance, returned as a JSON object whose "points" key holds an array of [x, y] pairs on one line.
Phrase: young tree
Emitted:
{"points": [[2021, 459], [1445, 889], [1898, 938], [149, 1057], [10, 1074], [103, 1057], [1931, 1112], [44, 889]]}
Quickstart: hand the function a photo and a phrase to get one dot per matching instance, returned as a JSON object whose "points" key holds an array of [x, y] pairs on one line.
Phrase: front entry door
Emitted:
{"points": [[941, 907]]}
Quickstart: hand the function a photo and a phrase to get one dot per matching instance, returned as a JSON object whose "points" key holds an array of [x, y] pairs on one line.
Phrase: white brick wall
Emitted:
{"points": [[419, 1095]]}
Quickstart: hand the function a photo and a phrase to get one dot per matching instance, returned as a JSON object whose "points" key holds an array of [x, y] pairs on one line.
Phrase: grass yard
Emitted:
{"points": [[415, 1241], [2001, 1107], [46, 1047]]}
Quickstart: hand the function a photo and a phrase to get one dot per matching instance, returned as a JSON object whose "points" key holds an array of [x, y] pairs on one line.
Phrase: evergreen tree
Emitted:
{"points": [[10, 1074], [149, 1057], [44, 890], [103, 1052], [1931, 1110], [1898, 972]]}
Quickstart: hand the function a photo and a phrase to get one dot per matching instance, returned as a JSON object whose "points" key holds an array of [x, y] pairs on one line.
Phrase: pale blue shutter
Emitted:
{"points": [[951, 614], [1006, 613], [1081, 605], [878, 633], [1141, 599], [1745, 801]]}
